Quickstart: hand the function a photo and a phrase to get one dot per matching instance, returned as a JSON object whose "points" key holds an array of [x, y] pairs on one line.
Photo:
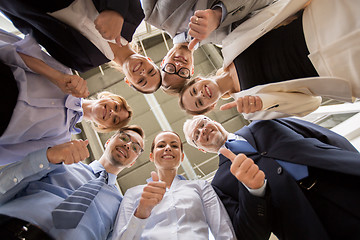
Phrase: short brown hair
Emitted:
{"points": [[134, 128]]}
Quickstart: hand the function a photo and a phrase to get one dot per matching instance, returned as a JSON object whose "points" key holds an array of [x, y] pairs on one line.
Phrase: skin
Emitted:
{"points": [[167, 156], [181, 57], [210, 136], [105, 112], [109, 24], [69, 152]]}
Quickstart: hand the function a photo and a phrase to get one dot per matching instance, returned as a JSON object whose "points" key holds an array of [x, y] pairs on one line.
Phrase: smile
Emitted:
{"points": [[137, 67], [180, 59], [208, 91], [121, 151], [168, 157]]}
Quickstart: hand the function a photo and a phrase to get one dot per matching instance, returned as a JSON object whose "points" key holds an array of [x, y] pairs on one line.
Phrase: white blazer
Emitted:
{"points": [[331, 30]]}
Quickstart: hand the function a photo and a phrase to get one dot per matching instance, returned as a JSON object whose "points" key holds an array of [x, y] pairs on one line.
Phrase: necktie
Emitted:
{"points": [[68, 214], [298, 171]]}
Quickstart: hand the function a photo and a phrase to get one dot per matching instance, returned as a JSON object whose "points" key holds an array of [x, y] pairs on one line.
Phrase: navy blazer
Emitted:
{"points": [[284, 210], [63, 42]]}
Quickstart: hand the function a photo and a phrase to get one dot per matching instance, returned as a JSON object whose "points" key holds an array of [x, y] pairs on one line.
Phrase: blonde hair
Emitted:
{"points": [[123, 103]]}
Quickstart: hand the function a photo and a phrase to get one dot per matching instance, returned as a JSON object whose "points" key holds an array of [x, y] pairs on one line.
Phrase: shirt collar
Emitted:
{"points": [[96, 167], [232, 136]]}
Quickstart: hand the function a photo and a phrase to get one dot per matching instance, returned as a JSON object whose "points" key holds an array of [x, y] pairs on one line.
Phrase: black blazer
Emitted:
{"points": [[284, 210], [64, 43]]}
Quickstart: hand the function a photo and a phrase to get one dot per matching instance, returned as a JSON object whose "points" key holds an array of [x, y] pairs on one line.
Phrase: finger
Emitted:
{"points": [[195, 20], [200, 13], [240, 105], [245, 104], [193, 43], [76, 151], [258, 103], [227, 153], [228, 105], [154, 176], [252, 106], [253, 170], [245, 164], [118, 40]]}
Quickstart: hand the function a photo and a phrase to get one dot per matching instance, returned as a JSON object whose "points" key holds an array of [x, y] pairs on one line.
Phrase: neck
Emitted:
{"points": [[110, 168], [167, 176], [121, 53], [87, 110], [225, 83]]}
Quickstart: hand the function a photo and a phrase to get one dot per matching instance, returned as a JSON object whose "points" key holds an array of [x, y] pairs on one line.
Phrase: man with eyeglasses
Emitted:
{"points": [[286, 176], [52, 195]]}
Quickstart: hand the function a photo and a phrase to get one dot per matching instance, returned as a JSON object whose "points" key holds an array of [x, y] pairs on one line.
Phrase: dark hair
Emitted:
{"points": [[157, 87], [153, 142], [134, 128], [181, 103]]}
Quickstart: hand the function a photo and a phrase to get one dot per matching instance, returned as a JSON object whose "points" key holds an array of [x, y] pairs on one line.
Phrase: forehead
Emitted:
{"points": [[194, 125], [167, 136], [135, 137]]}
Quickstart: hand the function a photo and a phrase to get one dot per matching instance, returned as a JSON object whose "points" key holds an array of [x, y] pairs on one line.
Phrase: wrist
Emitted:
{"points": [[142, 214]]}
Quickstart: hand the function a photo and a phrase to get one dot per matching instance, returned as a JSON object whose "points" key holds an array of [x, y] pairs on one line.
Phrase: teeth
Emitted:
{"points": [[168, 157], [208, 91]]}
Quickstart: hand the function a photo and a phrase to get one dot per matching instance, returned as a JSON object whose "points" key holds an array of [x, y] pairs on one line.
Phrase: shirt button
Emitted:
{"points": [[15, 180], [279, 170], [41, 165], [263, 153]]}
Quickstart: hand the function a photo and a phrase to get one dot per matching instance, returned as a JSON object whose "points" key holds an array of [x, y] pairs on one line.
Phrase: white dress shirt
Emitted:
{"points": [[187, 210]]}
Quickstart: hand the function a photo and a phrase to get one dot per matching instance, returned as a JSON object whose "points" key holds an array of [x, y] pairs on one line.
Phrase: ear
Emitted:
{"points": [[182, 157], [192, 70], [101, 126], [202, 150], [127, 82], [151, 157], [107, 142]]}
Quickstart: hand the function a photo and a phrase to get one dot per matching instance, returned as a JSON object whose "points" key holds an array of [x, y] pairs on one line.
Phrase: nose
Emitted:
{"points": [[142, 71], [127, 145], [168, 148]]}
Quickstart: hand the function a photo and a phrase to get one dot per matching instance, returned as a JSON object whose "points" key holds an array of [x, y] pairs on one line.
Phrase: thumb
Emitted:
{"points": [[154, 176], [86, 142], [228, 105], [227, 153], [193, 43], [118, 40]]}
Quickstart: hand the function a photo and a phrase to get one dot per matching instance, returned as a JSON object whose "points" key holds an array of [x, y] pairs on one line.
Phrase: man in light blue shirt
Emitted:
{"points": [[30, 190]]}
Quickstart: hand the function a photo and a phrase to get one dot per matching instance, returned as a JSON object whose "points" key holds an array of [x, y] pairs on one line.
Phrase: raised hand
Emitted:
{"points": [[109, 24], [152, 195], [244, 169], [247, 104], [202, 24], [69, 152], [74, 85]]}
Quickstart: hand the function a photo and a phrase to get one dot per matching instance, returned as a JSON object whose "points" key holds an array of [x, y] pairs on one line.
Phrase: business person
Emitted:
{"points": [[169, 206], [311, 173], [57, 197]]}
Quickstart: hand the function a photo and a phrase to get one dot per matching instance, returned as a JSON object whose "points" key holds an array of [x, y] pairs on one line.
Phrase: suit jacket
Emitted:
{"points": [[334, 51], [284, 210], [169, 15], [63, 42]]}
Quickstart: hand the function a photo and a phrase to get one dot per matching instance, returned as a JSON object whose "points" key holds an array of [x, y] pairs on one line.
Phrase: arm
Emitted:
{"points": [[216, 215], [283, 104], [70, 84]]}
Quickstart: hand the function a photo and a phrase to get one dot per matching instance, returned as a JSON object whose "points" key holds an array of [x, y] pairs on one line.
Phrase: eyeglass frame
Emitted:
{"points": [[177, 72], [205, 118], [132, 143]]}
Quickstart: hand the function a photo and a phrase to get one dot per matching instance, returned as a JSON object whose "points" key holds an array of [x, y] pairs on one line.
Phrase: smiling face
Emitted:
{"points": [[180, 58], [121, 152], [204, 133], [200, 96], [142, 73], [108, 112], [167, 152]]}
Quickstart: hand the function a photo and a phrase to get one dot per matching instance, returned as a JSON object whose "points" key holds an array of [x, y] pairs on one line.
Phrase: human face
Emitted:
{"points": [[207, 134], [182, 59], [108, 112], [142, 73], [124, 148], [167, 153], [204, 93]]}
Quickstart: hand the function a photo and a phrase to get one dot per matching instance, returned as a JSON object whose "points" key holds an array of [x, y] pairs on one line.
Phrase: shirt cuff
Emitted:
{"points": [[260, 192], [223, 10], [179, 38]]}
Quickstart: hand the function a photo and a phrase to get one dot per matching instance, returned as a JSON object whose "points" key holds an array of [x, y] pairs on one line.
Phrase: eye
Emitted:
{"points": [[151, 70], [174, 146], [141, 80], [201, 102], [115, 120], [161, 145], [196, 135], [116, 107], [194, 90], [134, 148]]}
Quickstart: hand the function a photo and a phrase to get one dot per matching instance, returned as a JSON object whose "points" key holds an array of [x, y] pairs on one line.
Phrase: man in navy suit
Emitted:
{"points": [[286, 176], [66, 44]]}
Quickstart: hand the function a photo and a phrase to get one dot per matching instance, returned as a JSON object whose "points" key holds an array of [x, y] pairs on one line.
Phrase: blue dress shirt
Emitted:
{"points": [[32, 188], [187, 210], [44, 116]]}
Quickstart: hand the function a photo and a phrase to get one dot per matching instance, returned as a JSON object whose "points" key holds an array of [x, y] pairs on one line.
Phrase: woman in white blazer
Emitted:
{"points": [[330, 54]]}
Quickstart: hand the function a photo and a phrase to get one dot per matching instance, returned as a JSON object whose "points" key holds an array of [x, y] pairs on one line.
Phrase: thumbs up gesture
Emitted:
{"points": [[152, 194], [244, 169]]}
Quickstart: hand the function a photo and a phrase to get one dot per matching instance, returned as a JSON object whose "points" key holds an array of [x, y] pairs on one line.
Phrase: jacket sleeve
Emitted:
{"points": [[249, 215]]}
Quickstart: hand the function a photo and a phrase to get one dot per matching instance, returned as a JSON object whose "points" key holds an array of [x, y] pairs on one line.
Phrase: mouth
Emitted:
{"points": [[208, 135], [104, 112], [137, 67], [207, 91], [121, 151], [180, 59], [168, 156]]}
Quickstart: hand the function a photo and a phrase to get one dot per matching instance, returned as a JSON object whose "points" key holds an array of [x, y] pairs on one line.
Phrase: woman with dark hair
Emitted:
{"points": [[287, 54], [168, 206]]}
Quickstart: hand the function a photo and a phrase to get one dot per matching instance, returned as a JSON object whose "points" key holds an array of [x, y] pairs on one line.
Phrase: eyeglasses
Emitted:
{"points": [[171, 69], [134, 146]]}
